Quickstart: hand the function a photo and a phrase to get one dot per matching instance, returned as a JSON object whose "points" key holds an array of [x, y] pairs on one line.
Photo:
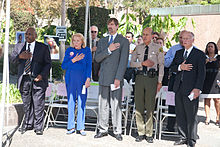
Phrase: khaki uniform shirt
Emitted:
{"points": [[155, 54]]}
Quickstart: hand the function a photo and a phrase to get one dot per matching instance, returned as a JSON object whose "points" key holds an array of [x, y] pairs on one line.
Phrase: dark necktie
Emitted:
{"points": [[93, 43], [27, 67], [145, 58], [111, 40], [185, 55]]}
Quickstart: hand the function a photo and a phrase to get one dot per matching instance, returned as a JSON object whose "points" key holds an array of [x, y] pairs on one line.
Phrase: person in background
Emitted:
{"points": [[167, 62], [165, 80], [112, 52], [160, 41], [94, 42], [77, 63], [155, 35], [189, 66], [139, 40], [129, 73], [34, 63], [172, 51], [210, 84], [149, 60]]}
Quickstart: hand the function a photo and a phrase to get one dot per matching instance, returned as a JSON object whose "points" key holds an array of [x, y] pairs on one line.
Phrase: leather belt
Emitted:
{"points": [[140, 72], [212, 70], [145, 73]]}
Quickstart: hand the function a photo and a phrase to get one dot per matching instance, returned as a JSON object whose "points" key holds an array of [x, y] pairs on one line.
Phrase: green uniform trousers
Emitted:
{"points": [[145, 92]]}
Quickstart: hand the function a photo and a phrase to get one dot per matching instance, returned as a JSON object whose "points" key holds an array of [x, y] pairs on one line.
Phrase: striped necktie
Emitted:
{"points": [[185, 55], [27, 67]]}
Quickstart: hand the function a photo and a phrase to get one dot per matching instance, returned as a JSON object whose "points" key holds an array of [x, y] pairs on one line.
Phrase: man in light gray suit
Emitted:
{"points": [[112, 52]]}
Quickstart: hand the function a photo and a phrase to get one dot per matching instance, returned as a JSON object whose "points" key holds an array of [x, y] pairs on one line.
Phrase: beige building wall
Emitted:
{"points": [[207, 29]]}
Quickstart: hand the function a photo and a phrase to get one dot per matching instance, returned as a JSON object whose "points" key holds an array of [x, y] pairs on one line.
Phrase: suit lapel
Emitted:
{"points": [[117, 39], [106, 39], [23, 48], [35, 52], [181, 57], [191, 54]]}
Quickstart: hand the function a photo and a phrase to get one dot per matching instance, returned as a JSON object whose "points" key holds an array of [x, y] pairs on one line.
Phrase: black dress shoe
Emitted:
{"points": [[140, 138], [38, 132], [149, 139], [118, 137], [23, 130], [180, 142], [100, 134], [192, 145]]}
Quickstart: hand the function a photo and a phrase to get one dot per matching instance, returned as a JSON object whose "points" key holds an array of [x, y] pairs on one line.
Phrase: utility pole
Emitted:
{"points": [[63, 17], [5, 71], [86, 21]]}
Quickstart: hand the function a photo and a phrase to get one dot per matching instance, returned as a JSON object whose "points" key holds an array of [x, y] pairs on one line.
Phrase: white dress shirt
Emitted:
{"points": [[188, 52], [32, 46]]}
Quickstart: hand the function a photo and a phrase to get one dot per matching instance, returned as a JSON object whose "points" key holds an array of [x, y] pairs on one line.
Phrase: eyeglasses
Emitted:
{"points": [[93, 31]]}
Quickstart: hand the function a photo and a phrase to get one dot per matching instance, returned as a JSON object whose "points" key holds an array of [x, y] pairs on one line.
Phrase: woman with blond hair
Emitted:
{"points": [[78, 65]]}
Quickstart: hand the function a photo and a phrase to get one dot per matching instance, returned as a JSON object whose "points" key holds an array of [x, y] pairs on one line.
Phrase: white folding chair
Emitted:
{"points": [[133, 121], [51, 119], [162, 111], [61, 94], [50, 92], [126, 98], [92, 102]]}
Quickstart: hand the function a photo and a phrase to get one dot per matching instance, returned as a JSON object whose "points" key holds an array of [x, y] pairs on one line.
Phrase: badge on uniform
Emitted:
{"points": [[161, 49]]}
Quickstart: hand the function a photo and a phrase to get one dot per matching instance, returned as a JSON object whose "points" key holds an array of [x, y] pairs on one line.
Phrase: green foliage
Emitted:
{"points": [[98, 17], [22, 20], [128, 24], [57, 72], [11, 32], [166, 25], [14, 94], [205, 2]]}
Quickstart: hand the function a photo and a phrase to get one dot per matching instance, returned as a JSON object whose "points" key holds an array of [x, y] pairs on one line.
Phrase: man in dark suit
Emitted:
{"points": [[112, 53], [93, 45], [34, 63], [189, 64]]}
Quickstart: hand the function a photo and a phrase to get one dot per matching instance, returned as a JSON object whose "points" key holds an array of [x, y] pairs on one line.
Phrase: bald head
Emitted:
{"points": [[147, 35], [181, 36], [188, 39], [30, 35]]}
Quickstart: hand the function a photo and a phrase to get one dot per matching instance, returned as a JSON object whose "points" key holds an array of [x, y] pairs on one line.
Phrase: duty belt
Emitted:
{"points": [[149, 73], [212, 70]]}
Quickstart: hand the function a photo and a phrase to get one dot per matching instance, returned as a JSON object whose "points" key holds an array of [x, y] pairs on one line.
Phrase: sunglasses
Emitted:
{"points": [[93, 31]]}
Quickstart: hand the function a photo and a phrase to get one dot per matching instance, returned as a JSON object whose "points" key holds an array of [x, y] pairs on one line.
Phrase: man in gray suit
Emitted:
{"points": [[112, 52]]}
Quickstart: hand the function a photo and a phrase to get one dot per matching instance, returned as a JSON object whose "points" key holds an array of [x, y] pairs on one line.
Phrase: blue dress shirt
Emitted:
{"points": [[168, 59]]}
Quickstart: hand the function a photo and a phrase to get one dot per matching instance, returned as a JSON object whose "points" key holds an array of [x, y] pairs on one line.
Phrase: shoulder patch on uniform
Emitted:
{"points": [[161, 49]]}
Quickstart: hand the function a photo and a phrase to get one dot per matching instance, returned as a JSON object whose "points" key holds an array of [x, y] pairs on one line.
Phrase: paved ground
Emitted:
{"points": [[56, 137]]}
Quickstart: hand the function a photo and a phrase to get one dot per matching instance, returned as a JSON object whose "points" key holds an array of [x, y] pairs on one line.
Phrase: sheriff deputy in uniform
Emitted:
{"points": [[148, 58]]}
